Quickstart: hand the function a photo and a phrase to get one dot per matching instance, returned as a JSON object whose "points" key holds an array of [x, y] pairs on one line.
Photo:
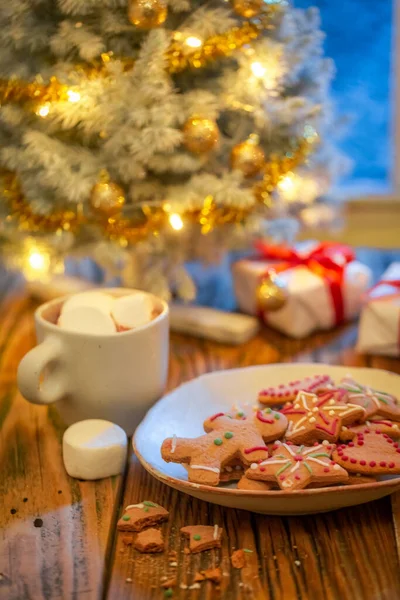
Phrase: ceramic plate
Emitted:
{"points": [[183, 411]]}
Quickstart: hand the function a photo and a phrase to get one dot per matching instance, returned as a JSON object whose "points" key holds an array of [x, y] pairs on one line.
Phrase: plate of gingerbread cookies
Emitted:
{"points": [[278, 439]]}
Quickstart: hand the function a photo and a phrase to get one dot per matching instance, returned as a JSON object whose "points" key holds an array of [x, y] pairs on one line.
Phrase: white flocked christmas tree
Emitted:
{"points": [[148, 133]]}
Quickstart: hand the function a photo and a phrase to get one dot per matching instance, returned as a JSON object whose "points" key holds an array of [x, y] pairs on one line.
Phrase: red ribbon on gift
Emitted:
{"points": [[327, 260], [392, 282]]}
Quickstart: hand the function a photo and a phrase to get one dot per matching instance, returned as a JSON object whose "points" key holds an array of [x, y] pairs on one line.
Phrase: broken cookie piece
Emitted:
{"points": [[149, 541], [202, 537], [138, 516]]}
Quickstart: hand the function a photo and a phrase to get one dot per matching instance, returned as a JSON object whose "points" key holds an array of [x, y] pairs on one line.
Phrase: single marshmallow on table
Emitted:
{"points": [[133, 310], [94, 449], [87, 319]]}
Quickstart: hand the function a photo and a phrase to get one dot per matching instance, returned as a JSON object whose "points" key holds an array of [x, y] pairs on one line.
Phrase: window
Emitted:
{"points": [[360, 39]]}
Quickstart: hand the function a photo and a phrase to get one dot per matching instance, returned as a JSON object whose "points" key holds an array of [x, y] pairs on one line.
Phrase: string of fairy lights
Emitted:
{"points": [[200, 136]]}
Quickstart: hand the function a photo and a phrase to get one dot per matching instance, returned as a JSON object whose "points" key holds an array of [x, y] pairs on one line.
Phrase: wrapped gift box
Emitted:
{"points": [[306, 273], [379, 331]]}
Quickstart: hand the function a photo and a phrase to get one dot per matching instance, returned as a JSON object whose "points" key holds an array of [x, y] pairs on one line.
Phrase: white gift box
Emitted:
{"points": [[379, 331], [309, 306]]}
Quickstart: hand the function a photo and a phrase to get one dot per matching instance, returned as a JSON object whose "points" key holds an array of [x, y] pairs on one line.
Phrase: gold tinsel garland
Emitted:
{"points": [[151, 219], [178, 58]]}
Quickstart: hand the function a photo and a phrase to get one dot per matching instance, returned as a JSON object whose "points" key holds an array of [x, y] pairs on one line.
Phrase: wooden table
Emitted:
{"points": [[58, 537]]}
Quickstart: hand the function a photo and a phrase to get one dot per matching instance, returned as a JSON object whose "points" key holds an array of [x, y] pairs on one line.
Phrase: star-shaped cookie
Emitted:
{"points": [[226, 439], [312, 418], [295, 467], [373, 401]]}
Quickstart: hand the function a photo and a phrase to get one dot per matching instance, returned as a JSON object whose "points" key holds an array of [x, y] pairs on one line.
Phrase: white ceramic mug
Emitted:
{"points": [[116, 377]]}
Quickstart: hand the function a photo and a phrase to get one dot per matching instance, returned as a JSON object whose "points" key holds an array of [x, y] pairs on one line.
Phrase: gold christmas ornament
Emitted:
{"points": [[107, 197], [247, 8], [248, 157], [200, 135], [271, 294], [147, 14]]}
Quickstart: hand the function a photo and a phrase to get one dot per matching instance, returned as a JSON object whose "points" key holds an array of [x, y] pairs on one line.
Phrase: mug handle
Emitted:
{"points": [[30, 369]]}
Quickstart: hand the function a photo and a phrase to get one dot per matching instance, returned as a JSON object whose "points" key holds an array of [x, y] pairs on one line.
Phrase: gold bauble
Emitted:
{"points": [[271, 294], [107, 197], [200, 134], [147, 14], [248, 157], [247, 8]]}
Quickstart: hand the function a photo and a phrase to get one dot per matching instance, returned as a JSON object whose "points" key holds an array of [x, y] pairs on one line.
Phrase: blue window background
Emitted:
{"points": [[359, 39]]}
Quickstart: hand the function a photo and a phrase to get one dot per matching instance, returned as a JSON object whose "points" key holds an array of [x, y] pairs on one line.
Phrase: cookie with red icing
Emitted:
{"points": [[371, 453], [226, 439], [391, 428], [278, 394], [373, 401], [296, 467], [315, 417]]}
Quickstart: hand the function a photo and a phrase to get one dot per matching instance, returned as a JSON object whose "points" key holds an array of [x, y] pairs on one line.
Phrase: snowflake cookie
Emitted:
{"points": [[296, 467], [373, 401]]}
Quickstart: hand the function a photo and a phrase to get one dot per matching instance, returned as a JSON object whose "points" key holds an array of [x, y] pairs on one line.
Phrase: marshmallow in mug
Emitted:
{"points": [[100, 313]]}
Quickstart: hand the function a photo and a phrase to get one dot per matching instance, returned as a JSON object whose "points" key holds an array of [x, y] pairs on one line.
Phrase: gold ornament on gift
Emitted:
{"points": [[147, 14], [107, 197], [200, 134], [247, 8], [271, 294], [248, 157]]}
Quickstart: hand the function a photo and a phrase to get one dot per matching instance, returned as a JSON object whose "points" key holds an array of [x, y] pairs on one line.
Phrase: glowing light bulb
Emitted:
{"points": [[176, 221], [37, 261], [43, 110], [36, 264], [193, 42], [258, 69], [73, 96], [286, 185]]}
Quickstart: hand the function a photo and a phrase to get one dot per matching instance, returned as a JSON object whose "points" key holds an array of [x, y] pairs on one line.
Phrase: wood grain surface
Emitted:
{"points": [[58, 536]]}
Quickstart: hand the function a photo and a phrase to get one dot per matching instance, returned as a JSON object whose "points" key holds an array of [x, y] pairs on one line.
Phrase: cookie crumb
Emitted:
{"points": [[241, 584], [128, 580], [238, 559], [169, 583], [183, 586], [297, 563], [214, 574], [194, 586], [127, 540], [173, 564]]}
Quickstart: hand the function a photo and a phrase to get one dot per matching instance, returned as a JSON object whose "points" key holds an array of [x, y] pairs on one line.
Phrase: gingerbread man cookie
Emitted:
{"points": [[313, 417], [371, 453], [227, 438], [287, 392], [295, 467], [373, 401]]}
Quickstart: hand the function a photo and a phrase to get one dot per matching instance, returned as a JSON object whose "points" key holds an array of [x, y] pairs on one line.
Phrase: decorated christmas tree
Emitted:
{"points": [[147, 133]]}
